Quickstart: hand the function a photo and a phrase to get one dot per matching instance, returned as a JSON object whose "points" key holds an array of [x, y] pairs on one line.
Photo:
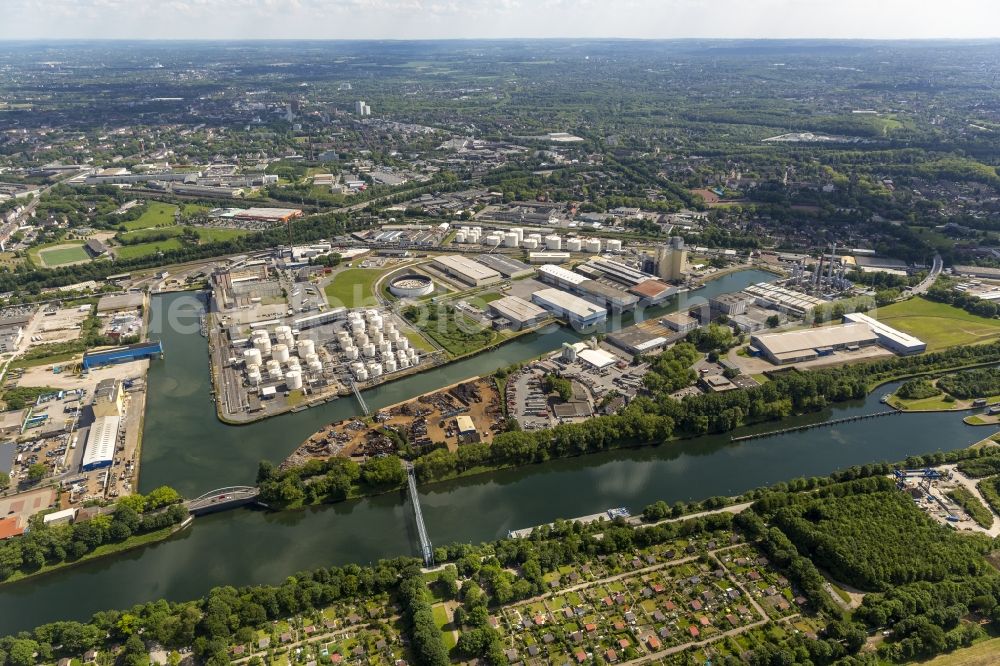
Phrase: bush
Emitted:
{"points": [[917, 389]]}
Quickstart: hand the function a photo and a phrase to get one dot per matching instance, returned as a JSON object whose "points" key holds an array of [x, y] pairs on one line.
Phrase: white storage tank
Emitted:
{"points": [[273, 370], [614, 245], [368, 350], [252, 357], [592, 245], [306, 347], [375, 369], [460, 237], [530, 244], [553, 242], [357, 326], [390, 365], [343, 339], [293, 364], [493, 240], [253, 374], [361, 375], [315, 366], [312, 357], [280, 353], [510, 239], [404, 363], [535, 237], [378, 338], [352, 353], [293, 380], [520, 233], [574, 244], [263, 345], [361, 339], [403, 343]]}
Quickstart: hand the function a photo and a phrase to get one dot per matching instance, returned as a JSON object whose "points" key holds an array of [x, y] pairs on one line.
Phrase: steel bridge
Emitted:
{"points": [[426, 549], [221, 499]]}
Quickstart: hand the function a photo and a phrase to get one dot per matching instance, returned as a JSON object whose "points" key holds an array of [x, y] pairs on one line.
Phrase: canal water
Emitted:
{"points": [[188, 448]]}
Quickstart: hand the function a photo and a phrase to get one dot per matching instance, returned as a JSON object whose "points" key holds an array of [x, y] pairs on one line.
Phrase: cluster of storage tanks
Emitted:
{"points": [[280, 355], [373, 346], [516, 237]]}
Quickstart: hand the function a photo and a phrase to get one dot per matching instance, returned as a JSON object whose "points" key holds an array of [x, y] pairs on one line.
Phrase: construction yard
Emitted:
{"points": [[421, 422]]}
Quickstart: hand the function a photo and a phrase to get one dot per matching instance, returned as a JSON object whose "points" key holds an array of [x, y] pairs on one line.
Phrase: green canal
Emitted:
{"points": [[185, 445]]}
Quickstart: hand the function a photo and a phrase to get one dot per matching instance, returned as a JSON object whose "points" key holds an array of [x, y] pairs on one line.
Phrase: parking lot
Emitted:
{"points": [[52, 325]]}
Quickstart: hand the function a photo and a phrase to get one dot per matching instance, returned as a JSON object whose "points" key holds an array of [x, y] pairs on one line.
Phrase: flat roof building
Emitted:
{"points": [[124, 354], [518, 311], [268, 214], [652, 291], [781, 298], [591, 290], [635, 340], [805, 345], [548, 257], [109, 398], [511, 269], [466, 270], [100, 451], [575, 309], [890, 338], [681, 322]]}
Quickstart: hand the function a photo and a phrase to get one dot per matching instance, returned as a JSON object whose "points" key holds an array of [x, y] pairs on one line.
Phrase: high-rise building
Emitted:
{"points": [[671, 260], [362, 109]]}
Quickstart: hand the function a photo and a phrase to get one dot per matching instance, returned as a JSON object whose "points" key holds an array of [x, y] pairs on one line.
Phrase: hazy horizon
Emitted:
{"points": [[420, 20]]}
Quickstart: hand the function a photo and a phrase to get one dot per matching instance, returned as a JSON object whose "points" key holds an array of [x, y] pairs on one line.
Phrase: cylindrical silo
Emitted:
{"points": [[280, 353], [352, 353], [614, 245], [361, 339], [553, 242], [460, 237], [375, 369], [263, 345], [592, 245], [403, 343], [362, 374], [574, 244], [315, 366], [369, 350], [293, 380], [510, 239], [389, 365], [253, 374], [530, 244], [273, 370], [306, 347], [252, 357]]}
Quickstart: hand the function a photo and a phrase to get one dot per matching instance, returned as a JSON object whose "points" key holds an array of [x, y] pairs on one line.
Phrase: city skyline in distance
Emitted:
{"points": [[475, 19]]}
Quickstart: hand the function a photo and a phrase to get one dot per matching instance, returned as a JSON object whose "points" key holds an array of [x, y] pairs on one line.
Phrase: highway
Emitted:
{"points": [[928, 281]]}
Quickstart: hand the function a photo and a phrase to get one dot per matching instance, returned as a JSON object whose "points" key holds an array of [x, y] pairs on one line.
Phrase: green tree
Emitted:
{"points": [[37, 472]]}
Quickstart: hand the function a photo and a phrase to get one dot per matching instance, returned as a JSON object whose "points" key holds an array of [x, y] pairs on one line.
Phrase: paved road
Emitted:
{"points": [[928, 281]]}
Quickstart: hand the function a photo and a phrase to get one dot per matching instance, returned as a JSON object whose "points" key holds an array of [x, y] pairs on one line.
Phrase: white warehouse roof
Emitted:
{"points": [[101, 442], [904, 340], [567, 302], [561, 274], [598, 358], [814, 338]]}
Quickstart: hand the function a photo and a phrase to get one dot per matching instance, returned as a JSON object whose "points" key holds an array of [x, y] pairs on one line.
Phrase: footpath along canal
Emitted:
{"points": [[185, 446]]}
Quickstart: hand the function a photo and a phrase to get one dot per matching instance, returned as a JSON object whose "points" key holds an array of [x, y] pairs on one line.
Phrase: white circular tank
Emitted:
{"points": [[352, 353], [273, 371], [530, 244], [400, 354], [309, 358], [510, 239], [460, 237], [252, 357], [573, 244], [293, 364], [403, 343], [361, 375], [377, 337], [282, 330], [553, 242], [404, 363], [253, 374], [614, 245], [369, 350], [263, 345], [375, 369], [519, 232], [306, 347], [315, 366], [535, 237], [390, 365], [361, 339], [592, 245], [293, 380], [280, 353], [493, 240]]}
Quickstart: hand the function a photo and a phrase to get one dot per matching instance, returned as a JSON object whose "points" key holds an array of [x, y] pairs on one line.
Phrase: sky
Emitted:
{"points": [[471, 19]]}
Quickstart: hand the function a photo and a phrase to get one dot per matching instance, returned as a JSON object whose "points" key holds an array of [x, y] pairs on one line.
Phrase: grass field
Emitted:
{"points": [[60, 254], [447, 630], [146, 249], [939, 325], [353, 288], [157, 214], [980, 654]]}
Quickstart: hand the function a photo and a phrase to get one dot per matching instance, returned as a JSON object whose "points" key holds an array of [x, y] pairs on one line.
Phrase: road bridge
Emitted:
{"points": [[222, 499], [426, 549]]}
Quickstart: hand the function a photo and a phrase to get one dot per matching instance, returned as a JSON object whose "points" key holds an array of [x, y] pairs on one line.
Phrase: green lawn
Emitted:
{"points": [[938, 324], [63, 254], [980, 654], [353, 288], [441, 620], [146, 249], [157, 214], [205, 235]]}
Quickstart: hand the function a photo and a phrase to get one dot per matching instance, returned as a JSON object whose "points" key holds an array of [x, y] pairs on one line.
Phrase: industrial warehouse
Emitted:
{"points": [[578, 312], [519, 312], [858, 331], [466, 270]]}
